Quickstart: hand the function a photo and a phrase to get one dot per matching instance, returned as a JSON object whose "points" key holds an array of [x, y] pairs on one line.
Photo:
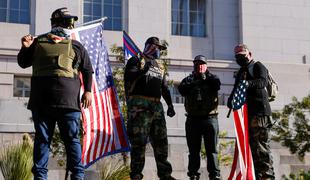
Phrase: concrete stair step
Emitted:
{"points": [[291, 159], [298, 168]]}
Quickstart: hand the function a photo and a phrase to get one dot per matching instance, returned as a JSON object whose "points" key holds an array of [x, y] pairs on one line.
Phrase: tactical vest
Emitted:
{"points": [[54, 59], [202, 100]]}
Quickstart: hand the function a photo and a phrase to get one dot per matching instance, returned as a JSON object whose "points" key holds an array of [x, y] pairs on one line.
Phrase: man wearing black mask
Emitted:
{"points": [[259, 112], [145, 84]]}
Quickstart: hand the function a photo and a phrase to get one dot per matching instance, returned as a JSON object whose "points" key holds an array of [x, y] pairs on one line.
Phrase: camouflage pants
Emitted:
{"points": [[146, 121], [259, 142]]}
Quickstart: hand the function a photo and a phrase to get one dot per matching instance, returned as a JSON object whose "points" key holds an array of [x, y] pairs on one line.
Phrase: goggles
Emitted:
{"points": [[64, 22]]}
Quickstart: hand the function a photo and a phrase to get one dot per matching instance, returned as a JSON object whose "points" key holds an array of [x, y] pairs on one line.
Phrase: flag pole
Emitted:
{"points": [[84, 24], [94, 21], [140, 52], [228, 114], [79, 25]]}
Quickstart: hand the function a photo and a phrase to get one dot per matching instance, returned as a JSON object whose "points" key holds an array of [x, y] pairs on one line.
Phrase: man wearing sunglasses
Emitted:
{"points": [[259, 112], [57, 62], [200, 90]]}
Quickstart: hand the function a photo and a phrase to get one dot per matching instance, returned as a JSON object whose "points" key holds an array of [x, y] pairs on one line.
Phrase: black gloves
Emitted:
{"points": [[229, 101], [147, 65], [203, 76], [170, 111]]}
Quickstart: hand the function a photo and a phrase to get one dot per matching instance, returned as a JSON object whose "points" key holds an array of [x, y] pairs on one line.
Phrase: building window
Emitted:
{"points": [[112, 9], [188, 18], [21, 86], [175, 94], [15, 11]]}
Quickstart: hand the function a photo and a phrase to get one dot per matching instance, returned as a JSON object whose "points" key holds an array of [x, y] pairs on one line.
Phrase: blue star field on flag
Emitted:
{"points": [[93, 43], [104, 131], [239, 97]]}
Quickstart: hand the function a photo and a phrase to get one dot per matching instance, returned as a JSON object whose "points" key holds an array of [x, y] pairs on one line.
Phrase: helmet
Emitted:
{"points": [[61, 17], [200, 58]]}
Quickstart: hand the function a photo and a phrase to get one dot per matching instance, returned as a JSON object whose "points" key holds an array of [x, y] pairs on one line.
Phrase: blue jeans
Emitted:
{"points": [[68, 123]]}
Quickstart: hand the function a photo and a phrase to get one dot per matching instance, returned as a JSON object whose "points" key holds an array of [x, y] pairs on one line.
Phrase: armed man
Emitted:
{"points": [[144, 86], [200, 90], [259, 111], [56, 62]]}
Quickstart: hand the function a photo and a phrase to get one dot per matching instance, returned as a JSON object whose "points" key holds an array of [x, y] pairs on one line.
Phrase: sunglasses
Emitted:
{"points": [[69, 22]]}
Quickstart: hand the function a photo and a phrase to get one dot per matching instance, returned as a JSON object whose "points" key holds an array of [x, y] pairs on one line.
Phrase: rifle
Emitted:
{"points": [[228, 114]]}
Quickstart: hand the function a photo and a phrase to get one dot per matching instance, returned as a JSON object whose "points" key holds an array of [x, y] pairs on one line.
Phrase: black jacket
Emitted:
{"points": [[201, 94], [190, 81], [57, 92], [257, 96]]}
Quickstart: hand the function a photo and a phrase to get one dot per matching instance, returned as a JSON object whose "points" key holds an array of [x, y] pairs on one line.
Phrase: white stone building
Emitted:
{"points": [[276, 31]]}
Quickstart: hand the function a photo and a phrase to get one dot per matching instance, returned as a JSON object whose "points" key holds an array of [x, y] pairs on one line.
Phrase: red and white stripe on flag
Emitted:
{"points": [[242, 167], [103, 124]]}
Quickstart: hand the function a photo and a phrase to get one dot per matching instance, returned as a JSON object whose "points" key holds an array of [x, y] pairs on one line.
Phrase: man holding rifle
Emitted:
{"points": [[259, 112]]}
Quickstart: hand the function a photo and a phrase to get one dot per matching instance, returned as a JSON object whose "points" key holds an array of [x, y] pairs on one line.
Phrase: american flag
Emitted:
{"points": [[242, 167], [130, 48], [103, 124]]}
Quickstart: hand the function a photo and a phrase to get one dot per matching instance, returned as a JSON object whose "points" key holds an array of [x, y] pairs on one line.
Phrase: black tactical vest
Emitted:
{"points": [[202, 100], [53, 59]]}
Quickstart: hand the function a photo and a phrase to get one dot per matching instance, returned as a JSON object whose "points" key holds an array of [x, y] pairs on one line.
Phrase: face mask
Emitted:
{"points": [[67, 31], [62, 32], [242, 60], [156, 54]]}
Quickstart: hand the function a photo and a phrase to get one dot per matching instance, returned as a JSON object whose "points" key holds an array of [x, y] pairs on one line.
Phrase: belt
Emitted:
{"points": [[145, 97], [202, 116]]}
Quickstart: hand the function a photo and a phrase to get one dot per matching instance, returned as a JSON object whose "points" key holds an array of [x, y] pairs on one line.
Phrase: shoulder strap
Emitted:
{"points": [[251, 68]]}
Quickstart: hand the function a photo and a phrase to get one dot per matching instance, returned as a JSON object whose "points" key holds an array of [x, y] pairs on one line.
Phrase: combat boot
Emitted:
{"points": [[193, 177], [137, 177], [216, 178], [167, 178], [267, 178]]}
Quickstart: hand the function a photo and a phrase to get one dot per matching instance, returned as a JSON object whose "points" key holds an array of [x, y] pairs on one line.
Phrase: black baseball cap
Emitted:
{"points": [[63, 13], [200, 58], [155, 40]]}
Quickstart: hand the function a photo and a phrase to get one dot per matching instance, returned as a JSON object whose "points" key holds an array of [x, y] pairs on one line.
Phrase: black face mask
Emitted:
{"points": [[242, 60]]}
